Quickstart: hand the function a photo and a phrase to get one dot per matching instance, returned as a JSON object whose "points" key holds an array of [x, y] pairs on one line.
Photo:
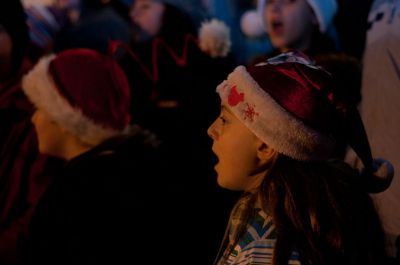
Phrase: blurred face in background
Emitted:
{"points": [[5, 53], [290, 24], [67, 4], [148, 15]]}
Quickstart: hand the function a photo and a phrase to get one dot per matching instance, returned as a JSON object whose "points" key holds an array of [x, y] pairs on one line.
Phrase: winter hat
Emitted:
{"points": [[288, 103], [85, 92], [324, 10]]}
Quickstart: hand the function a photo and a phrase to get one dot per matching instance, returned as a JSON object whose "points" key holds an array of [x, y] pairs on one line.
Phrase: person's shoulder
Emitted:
{"points": [[134, 144], [138, 151]]}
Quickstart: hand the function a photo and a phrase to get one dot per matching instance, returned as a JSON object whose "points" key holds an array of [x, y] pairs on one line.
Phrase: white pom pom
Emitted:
{"points": [[214, 38], [251, 24]]}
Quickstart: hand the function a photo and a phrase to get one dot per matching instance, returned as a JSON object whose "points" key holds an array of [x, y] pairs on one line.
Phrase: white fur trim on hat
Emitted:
{"points": [[214, 38], [41, 90], [270, 122], [252, 24], [324, 10]]}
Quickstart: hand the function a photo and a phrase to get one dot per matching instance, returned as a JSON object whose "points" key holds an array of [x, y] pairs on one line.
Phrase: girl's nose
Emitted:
{"points": [[212, 132]]}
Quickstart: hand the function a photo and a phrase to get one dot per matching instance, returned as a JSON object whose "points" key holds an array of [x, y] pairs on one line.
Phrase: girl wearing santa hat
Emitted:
{"points": [[274, 138]]}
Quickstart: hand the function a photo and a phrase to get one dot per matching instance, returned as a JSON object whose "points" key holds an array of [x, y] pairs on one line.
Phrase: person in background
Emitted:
{"points": [[96, 23], [249, 39], [181, 68], [300, 24], [351, 23], [173, 77], [274, 139], [342, 22], [380, 108], [112, 201], [45, 21], [24, 173]]}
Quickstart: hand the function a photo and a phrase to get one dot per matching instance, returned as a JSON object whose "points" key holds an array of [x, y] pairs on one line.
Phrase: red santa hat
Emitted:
{"points": [[85, 92], [289, 103]]}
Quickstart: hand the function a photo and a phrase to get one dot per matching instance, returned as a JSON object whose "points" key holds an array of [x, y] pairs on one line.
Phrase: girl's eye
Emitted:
{"points": [[223, 120]]}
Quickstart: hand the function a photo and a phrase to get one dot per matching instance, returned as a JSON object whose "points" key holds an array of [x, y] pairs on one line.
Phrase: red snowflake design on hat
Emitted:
{"points": [[235, 97], [250, 112]]}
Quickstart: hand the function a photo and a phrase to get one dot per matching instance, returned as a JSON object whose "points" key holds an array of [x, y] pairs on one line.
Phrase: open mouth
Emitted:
{"points": [[214, 158], [277, 27]]}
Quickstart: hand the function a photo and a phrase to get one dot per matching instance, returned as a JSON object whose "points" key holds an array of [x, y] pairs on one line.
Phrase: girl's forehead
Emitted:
{"points": [[224, 108], [228, 113]]}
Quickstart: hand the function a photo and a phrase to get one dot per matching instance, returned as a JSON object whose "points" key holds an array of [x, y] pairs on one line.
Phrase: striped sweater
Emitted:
{"points": [[256, 245]]}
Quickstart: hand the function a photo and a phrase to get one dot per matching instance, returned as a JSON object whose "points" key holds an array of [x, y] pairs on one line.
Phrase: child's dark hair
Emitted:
{"points": [[320, 211]]}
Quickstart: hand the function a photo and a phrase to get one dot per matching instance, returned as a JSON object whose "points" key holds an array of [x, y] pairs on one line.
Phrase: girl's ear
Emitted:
{"points": [[265, 153]]}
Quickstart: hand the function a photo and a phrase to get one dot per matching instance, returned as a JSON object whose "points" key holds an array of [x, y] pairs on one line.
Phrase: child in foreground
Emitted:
{"points": [[274, 140]]}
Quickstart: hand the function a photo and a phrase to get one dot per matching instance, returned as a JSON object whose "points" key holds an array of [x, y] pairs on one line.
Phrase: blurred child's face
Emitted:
{"points": [[48, 133], [236, 148], [66, 3], [290, 23], [148, 14]]}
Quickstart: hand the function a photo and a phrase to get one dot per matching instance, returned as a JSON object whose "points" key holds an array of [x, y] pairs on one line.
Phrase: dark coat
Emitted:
{"points": [[124, 202], [24, 173], [103, 208]]}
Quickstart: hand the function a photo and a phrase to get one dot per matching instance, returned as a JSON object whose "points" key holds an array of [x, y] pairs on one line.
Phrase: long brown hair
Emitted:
{"points": [[320, 211]]}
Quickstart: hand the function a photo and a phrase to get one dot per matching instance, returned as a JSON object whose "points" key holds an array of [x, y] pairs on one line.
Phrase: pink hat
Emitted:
{"points": [[85, 92], [289, 103]]}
